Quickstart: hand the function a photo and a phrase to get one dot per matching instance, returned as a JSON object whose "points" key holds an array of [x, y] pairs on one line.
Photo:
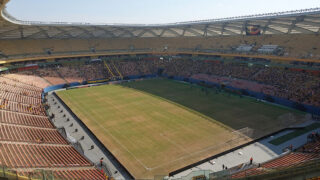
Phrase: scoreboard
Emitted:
{"points": [[253, 30]]}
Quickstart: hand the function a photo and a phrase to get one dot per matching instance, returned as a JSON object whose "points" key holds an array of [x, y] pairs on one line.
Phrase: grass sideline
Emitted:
{"points": [[157, 126], [294, 134]]}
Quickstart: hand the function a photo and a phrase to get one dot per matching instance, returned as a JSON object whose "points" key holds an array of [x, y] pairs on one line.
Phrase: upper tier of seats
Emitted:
{"points": [[294, 45]]}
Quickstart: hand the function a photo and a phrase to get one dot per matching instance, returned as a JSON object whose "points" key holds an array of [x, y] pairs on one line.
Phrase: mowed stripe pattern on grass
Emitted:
{"points": [[226, 108], [156, 126], [144, 131]]}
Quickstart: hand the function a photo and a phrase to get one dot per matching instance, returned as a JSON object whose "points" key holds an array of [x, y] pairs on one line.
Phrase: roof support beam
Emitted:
{"points": [[281, 25], [244, 27], [163, 31], [230, 32], [206, 28], [212, 32], [107, 32], [194, 32], [183, 32], [153, 33], [147, 30], [34, 35], [126, 31], [173, 32], [215, 28], [274, 30], [309, 23], [264, 29], [222, 27], [205, 31], [302, 30], [142, 32], [41, 31], [311, 17], [293, 24], [294, 27], [231, 26], [45, 32], [21, 32], [85, 32], [62, 33], [20, 29]]}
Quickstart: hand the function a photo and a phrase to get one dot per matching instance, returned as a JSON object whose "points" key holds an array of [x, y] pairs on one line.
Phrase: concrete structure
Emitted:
{"points": [[291, 22], [75, 132], [261, 151]]}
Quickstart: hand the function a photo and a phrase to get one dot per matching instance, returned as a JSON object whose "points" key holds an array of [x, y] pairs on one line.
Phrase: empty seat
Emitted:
{"points": [[24, 119], [30, 134], [21, 155]]}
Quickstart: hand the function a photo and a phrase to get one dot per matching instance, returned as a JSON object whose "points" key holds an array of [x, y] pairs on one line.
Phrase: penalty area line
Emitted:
{"points": [[227, 143], [115, 139]]}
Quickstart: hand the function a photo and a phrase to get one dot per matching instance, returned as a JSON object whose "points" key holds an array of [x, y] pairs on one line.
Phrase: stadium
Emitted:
{"points": [[229, 98]]}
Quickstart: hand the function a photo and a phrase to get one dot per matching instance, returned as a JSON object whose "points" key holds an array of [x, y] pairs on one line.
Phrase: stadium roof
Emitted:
{"points": [[305, 21]]}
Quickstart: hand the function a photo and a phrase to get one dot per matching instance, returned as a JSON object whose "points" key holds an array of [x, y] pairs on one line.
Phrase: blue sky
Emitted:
{"points": [[146, 11]]}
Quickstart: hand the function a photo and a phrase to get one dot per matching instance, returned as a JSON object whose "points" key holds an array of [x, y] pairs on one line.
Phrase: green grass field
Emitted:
{"points": [[156, 126]]}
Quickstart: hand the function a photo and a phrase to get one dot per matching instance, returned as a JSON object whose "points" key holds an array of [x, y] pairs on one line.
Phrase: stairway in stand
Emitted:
{"points": [[113, 70]]}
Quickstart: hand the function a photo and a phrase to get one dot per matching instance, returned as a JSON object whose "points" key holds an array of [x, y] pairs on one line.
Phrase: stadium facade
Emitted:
{"points": [[291, 22]]}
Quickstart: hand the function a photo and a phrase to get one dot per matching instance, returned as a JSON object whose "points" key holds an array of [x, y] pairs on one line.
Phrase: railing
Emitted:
{"points": [[106, 65], [41, 55], [201, 174], [102, 165], [117, 71]]}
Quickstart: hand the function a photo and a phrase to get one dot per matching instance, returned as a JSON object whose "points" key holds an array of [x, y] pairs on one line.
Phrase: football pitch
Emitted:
{"points": [[156, 126]]}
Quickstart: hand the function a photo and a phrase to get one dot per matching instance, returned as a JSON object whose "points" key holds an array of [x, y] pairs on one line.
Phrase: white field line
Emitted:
{"points": [[114, 138], [172, 142], [194, 153]]}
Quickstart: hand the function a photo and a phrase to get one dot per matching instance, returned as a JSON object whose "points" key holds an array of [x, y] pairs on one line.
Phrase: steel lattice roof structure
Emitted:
{"points": [[305, 21]]}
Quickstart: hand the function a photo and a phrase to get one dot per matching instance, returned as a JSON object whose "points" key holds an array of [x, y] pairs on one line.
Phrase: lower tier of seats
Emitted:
{"points": [[13, 80], [22, 108], [81, 174], [19, 90], [29, 134], [281, 162], [22, 155], [10, 117], [19, 98]]}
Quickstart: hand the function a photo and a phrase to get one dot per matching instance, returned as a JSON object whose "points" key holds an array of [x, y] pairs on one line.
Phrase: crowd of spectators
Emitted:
{"points": [[70, 73], [136, 67], [94, 70], [237, 83], [51, 75], [298, 86]]}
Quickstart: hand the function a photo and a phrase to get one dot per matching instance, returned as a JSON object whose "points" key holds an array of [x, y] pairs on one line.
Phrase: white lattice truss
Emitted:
{"points": [[305, 21]]}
